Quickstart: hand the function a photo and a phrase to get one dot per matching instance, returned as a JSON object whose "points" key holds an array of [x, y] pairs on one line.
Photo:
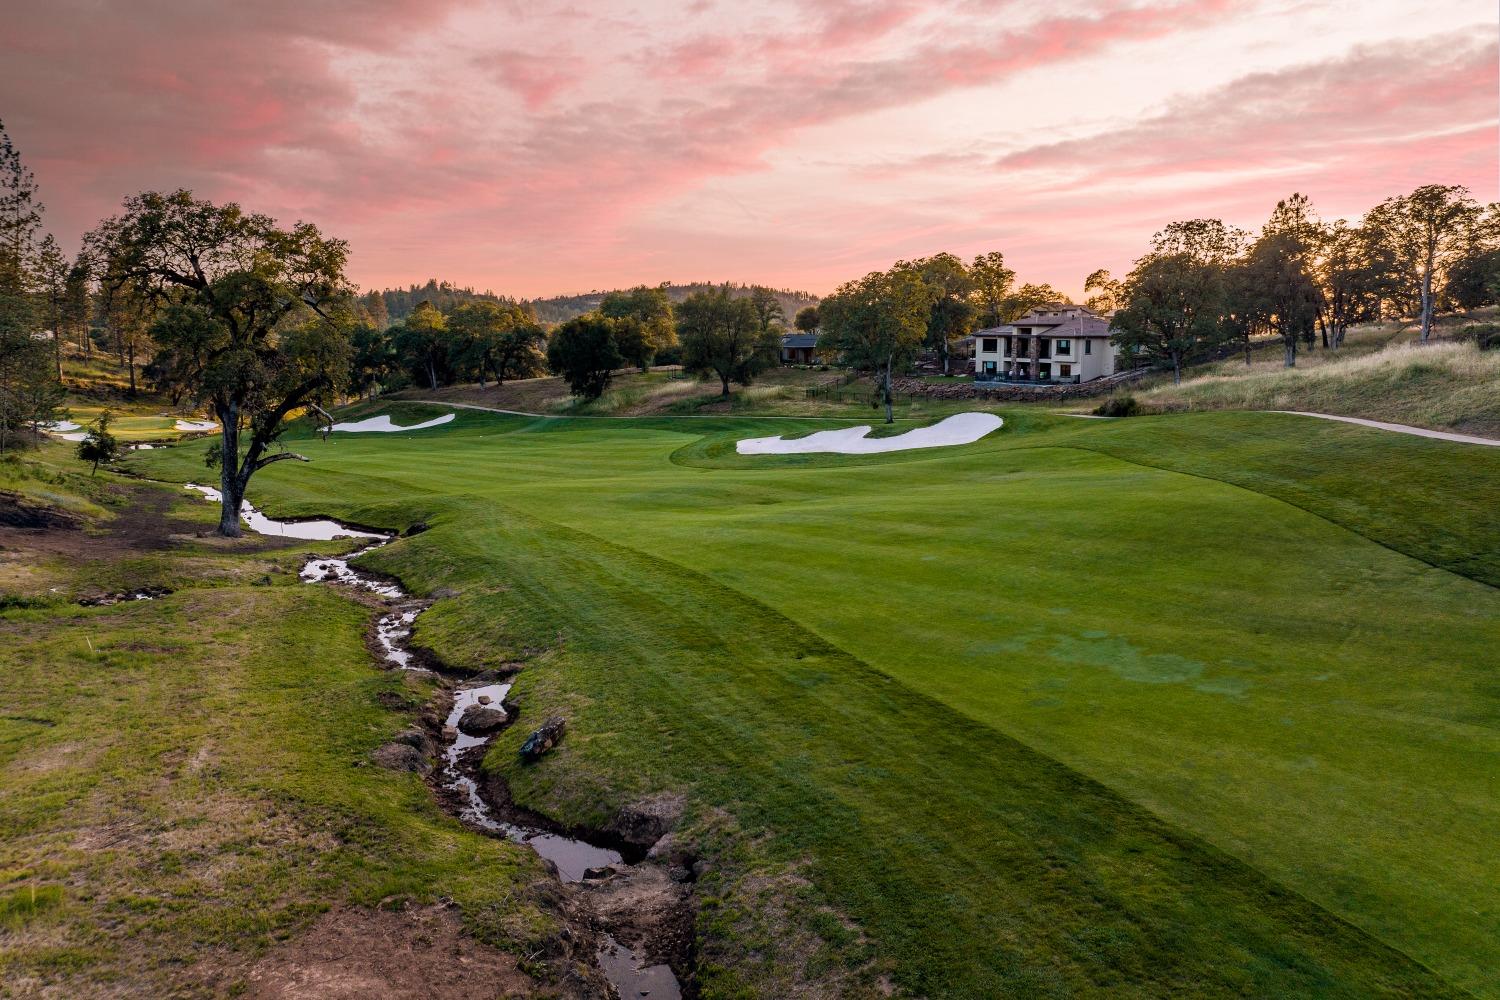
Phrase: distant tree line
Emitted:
{"points": [[392, 305]]}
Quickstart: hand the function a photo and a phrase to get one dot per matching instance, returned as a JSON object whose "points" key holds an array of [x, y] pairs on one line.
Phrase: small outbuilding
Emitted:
{"points": [[799, 348]]}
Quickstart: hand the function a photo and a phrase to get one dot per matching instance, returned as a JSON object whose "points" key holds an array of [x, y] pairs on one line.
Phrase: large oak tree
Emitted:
{"points": [[725, 335], [250, 318], [879, 322]]}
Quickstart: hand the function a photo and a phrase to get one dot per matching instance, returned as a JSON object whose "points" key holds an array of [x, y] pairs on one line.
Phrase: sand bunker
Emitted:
{"points": [[382, 424], [961, 428], [196, 425], [65, 429]]}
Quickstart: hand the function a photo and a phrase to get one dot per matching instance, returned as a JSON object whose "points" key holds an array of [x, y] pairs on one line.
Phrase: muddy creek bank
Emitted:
{"points": [[634, 907]]}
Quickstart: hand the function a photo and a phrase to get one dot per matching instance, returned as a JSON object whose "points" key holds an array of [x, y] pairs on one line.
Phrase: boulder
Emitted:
{"points": [[544, 739], [595, 874], [644, 822], [480, 720], [401, 757], [414, 738]]}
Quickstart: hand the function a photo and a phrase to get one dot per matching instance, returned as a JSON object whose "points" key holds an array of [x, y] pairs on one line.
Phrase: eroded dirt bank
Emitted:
{"points": [[625, 892]]}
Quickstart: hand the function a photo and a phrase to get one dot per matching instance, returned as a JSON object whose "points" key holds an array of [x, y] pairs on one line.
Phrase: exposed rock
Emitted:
{"points": [[414, 738], [594, 874], [401, 757], [644, 822], [478, 720], [417, 528], [544, 739], [485, 699]]}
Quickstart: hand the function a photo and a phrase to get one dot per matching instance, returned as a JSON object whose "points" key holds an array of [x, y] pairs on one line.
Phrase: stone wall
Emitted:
{"points": [[1016, 391]]}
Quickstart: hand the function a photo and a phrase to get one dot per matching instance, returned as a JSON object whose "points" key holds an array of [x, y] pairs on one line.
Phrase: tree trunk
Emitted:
{"points": [[1176, 368], [432, 374], [1247, 348], [890, 416], [1289, 343], [945, 358], [131, 366], [725, 380], [1427, 302], [231, 492]]}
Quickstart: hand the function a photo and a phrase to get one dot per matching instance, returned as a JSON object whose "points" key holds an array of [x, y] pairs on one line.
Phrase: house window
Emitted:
{"points": [[1007, 345], [989, 345], [989, 367], [1046, 351], [1044, 372], [1064, 347], [1088, 347], [1065, 371]]}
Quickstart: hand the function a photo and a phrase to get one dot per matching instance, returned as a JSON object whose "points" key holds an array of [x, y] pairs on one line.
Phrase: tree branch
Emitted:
{"points": [[280, 456]]}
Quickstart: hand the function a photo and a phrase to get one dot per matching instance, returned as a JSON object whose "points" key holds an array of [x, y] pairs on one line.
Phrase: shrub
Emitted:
{"points": [[1486, 336], [1119, 406]]}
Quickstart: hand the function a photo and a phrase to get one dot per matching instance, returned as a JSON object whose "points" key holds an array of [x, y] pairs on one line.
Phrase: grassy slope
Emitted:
{"points": [[1381, 373], [1026, 588], [184, 782]]}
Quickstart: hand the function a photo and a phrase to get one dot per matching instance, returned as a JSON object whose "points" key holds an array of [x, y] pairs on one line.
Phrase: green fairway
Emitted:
{"points": [[1188, 705]]}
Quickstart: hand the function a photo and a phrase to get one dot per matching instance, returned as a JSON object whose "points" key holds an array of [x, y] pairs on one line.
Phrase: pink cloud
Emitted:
{"points": [[536, 79], [469, 139]]}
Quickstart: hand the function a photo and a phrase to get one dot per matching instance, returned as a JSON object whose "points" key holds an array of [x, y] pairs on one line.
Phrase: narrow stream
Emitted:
{"points": [[630, 976]]}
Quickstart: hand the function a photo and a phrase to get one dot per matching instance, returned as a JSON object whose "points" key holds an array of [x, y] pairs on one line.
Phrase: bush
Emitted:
{"points": [[1119, 406], [1486, 336]]}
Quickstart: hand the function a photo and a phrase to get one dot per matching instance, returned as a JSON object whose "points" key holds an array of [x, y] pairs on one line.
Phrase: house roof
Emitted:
{"points": [[1070, 321], [799, 340]]}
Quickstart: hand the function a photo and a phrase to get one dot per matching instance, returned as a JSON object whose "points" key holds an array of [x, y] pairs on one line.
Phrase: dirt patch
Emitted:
{"points": [[19, 513], [415, 953], [52, 552], [648, 907]]}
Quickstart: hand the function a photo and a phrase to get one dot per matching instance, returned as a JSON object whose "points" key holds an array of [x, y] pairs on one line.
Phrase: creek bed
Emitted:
{"points": [[571, 858]]}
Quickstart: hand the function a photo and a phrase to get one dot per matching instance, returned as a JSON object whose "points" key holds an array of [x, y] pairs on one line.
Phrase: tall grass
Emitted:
{"points": [[1444, 385]]}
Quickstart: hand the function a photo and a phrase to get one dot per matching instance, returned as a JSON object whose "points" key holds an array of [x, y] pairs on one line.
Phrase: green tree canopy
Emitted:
{"points": [[1424, 232], [496, 337], [30, 392], [992, 284], [99, 445], [424, 344], [1173, 305], [806, 319], [1279, 291], [648, 326], [953, 311], [251, 317], [584, 352], [725, 336], [879, 322]]}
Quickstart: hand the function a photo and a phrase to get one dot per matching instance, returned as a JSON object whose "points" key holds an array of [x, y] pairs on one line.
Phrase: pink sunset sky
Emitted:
{"points": [[537, 148]]}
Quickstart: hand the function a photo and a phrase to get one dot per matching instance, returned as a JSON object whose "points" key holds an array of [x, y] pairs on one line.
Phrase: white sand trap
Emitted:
{"points": [[961, 428], [196, 425], [382, 424], [66, 430]]}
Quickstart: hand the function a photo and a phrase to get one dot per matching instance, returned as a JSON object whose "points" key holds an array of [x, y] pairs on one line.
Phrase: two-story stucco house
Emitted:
{"points": [[1048, 344]]}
